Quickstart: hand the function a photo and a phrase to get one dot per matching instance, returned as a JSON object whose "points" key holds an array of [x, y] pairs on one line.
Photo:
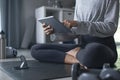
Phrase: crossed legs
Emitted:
{"points": [[93, 55]]}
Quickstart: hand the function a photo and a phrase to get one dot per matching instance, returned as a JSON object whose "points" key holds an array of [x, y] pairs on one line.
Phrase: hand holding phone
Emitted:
{"points": [[47, 29]]}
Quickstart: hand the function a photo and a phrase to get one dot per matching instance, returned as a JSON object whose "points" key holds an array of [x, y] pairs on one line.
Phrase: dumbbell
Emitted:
{"points": [[76, 71], [106, 73], [88, 76]]}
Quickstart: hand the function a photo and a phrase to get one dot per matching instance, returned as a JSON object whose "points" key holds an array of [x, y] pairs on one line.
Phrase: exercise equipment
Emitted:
{"points": [[107, 73], [23, 64]]}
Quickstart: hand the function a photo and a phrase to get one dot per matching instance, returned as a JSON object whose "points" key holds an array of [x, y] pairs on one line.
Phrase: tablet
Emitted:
{"points": [[56, 24]]}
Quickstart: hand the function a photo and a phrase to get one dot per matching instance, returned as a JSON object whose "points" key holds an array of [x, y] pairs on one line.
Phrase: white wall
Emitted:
{"points": [[28, 19]]}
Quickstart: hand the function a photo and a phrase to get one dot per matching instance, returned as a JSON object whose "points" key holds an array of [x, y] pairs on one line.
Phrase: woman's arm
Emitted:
{"points": [[101, 29]]}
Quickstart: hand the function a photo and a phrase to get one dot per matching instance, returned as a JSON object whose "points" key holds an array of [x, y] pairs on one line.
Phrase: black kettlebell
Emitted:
{"points": [[88, 76], [108, 73], [77, 70], [74, 71]]}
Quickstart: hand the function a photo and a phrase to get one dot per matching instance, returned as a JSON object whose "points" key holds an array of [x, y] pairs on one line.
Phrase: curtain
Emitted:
{"points": [[11, 20]]}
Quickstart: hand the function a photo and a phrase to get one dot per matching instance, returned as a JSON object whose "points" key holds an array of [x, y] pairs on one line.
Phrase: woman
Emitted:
{"points": [[96, 21]]}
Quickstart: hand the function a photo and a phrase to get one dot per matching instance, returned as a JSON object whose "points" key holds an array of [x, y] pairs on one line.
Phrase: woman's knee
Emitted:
{"points": [[35, 49], [95, 55]]}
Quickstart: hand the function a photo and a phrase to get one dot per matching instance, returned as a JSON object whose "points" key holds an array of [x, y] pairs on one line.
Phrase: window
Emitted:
{"points": [[0, 15], [0, 19], [117, 34]]}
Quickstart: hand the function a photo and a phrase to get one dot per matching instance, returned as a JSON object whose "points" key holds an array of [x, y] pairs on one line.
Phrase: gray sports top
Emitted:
{"points": [[96, 17]]}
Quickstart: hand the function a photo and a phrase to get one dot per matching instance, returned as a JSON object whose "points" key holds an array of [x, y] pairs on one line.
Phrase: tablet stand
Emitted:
{"points": [[23, 64]]}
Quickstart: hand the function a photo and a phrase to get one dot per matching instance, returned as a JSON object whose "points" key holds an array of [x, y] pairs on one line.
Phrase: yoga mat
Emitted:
{"points": [[36, 71]]}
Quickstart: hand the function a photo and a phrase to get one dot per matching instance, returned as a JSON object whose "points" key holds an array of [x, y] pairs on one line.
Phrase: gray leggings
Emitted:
{"points": [[94, 55]]}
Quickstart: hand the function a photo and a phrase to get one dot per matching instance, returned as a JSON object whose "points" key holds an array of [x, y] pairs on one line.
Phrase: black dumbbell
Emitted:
{"points": [[77, 70], [88, 76], [108, 73], [74, 71]]}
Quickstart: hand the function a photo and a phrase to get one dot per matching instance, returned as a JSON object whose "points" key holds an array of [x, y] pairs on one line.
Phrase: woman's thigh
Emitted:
{"points": [[60, 47]]}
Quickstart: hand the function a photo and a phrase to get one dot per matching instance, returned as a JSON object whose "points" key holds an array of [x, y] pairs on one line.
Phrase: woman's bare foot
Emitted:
{"points": [[74, 51], [70, 59], [83, 66]]}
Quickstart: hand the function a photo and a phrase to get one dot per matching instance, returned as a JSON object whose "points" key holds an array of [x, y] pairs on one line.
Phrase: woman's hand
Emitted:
{"points": [[69, 23], [47, 29]]}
